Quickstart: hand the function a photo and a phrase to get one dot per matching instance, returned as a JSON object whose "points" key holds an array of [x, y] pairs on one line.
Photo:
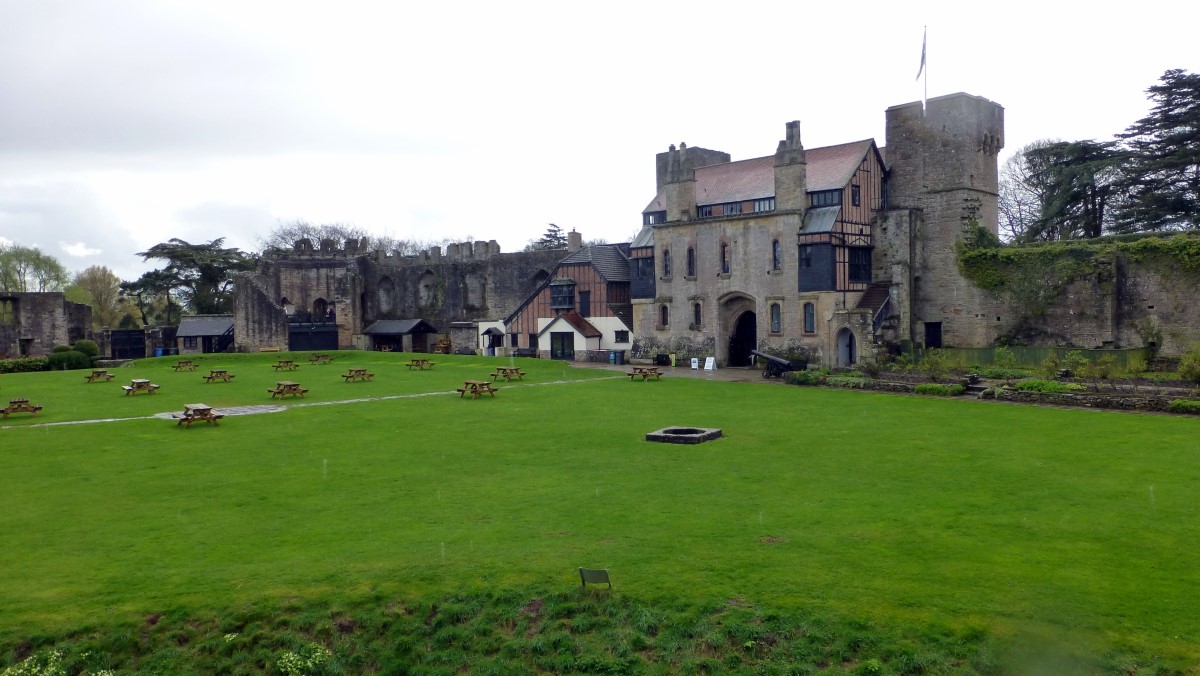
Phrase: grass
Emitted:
{"points": [[829, 528]]}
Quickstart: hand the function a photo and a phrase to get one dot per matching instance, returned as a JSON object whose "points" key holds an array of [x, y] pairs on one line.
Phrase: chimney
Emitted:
{"points": [[574, 241]]}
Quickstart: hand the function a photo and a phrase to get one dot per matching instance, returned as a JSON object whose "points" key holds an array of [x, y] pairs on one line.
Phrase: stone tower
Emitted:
{"points": [[681, 185], [943, 173]]}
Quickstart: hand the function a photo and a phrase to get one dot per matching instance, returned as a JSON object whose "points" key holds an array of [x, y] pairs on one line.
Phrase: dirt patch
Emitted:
{"points": [[152, 619], [772, 539], [345, 625], [533, 608]]}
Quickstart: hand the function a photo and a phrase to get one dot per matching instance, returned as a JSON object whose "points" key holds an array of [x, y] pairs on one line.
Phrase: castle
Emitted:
{"points": [[836, 252]]}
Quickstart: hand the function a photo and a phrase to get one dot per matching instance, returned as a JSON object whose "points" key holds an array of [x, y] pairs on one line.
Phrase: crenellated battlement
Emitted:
{"points": [[331, 249]]}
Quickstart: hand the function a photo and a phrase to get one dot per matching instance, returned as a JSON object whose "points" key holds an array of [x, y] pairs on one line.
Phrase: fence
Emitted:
{"points": [[1032, 357]]}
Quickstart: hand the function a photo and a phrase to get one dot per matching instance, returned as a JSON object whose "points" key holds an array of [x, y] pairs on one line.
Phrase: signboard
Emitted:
{"points": [[710, 364], [695, 363]]}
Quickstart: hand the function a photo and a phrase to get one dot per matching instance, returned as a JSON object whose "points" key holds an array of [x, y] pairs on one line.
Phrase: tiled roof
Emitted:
{"points": [[829, 168], [577, 322], [399, 327], [204, 325], [608, 260]]}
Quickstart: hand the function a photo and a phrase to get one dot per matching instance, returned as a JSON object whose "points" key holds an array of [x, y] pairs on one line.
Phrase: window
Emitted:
{"points": [[855, 195], [644, 267], [826, 198], [562, 296], [810, 318], [704, 212], [8, 313], [585, 303], [776, 256], [765, 204], [514, 340], [654, 217], [620, 336], [532, 340], [691, 262], [860, 265], [776, 318], [697, 315], [732, 208], [666, 262], [189, 342], [664, 316], [724, 258], [806, 256]]}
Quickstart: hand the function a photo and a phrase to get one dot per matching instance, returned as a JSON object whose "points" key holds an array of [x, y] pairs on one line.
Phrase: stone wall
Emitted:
{"points": [[31, 324]]}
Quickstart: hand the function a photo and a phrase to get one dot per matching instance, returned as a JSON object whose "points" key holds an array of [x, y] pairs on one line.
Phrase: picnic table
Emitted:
{"points": [[384, 348], [139, 385], [357, 374], [646, 372], [19, 405], [197, 413], [476, 388], [419, 364], [219, 374], [508, 373], [321, 359], [286, 365], [185, 365], [99, 374], [285, 387]]}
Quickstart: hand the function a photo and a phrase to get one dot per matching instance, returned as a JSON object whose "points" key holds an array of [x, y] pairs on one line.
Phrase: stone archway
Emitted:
{"points": [[737, 329], [847, 348]]}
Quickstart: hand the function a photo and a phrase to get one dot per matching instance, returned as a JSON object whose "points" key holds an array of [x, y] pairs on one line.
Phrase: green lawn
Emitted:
{"points": [[1068, 531]]}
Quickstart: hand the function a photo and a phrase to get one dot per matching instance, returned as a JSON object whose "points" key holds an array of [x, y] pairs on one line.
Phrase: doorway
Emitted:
{"points": [[562, 345], [743, 340], [847, 348]]}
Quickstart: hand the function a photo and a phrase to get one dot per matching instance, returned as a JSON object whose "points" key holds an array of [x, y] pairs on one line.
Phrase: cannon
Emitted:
{"points": [[777, 366]]}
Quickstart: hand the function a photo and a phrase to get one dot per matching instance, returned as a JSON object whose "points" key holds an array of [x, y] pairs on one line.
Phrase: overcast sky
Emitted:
{"points": [[124, 123]]}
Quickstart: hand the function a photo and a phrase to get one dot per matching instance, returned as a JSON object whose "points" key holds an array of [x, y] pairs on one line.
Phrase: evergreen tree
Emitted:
{"points": [[1078, 178], [201, 275], [1162, 179], [553, 239]]}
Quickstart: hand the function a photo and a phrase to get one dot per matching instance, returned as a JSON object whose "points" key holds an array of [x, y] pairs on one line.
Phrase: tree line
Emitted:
{"points": [[1145, 180]]}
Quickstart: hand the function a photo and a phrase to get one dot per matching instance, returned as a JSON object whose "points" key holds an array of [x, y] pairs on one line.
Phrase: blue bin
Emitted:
{"points": [[158, 352]]}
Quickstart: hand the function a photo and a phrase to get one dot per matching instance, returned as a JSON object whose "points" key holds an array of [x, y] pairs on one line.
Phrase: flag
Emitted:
{"points": [[922, 68]]}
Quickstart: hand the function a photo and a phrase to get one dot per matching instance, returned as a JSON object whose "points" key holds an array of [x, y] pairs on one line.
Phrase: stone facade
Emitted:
{"points": [[31, 324], [469, 282]]}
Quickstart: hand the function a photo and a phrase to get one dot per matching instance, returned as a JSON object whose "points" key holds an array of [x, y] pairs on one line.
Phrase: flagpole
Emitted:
{"points": [[923, 70]]}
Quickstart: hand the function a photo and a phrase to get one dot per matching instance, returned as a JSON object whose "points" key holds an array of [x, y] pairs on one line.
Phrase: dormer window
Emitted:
{"points": [[764, 204]]}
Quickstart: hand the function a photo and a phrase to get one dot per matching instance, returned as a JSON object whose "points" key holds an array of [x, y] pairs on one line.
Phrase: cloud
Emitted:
{"points": [[79, 249]]}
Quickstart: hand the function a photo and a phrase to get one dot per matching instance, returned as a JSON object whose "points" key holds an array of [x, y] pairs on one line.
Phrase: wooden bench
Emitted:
{"points": [[358, 375], [99, 375], [20, 406], [595, 576], [475, 388], [645, 373], [320, 359], [129, 389], [220, 375], [281, 392], [186, 365]]}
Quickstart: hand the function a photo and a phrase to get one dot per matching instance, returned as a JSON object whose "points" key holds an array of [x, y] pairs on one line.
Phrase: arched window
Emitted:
{"points": [[666, 262], [691, 262], [319, 308], [776, 318], [697, 316], [776, 256], [810, 318], [724, 258], [664, 316]]}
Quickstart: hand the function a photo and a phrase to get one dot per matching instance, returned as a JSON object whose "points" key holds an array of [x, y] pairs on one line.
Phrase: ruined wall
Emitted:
{"points": [[258, 321], [31, 324]]}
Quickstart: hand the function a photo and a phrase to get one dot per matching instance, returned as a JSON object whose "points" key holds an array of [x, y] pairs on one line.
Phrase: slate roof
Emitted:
{"points": [[829, 168], [608, 260], [204, 325], [399, 327], [577, 322]]}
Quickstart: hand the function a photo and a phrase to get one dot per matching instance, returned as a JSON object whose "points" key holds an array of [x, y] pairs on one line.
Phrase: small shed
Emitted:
{"points": [[400, 335], [204, 333]]}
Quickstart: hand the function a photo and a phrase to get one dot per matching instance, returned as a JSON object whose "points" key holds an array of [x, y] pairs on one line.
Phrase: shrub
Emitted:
{"points": [[934, 364], [1004, 358], [940, 390], [804, 377], [1036, 385], [1189, 365], [24, 365], [88, 347], [846, 381], [1050, 366], [1074, 360], [68, 361], [1191, 406], [61, 348]]}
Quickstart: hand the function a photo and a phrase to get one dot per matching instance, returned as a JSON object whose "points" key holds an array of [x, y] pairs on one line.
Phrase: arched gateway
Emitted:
{"points": [[738, 329]]}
